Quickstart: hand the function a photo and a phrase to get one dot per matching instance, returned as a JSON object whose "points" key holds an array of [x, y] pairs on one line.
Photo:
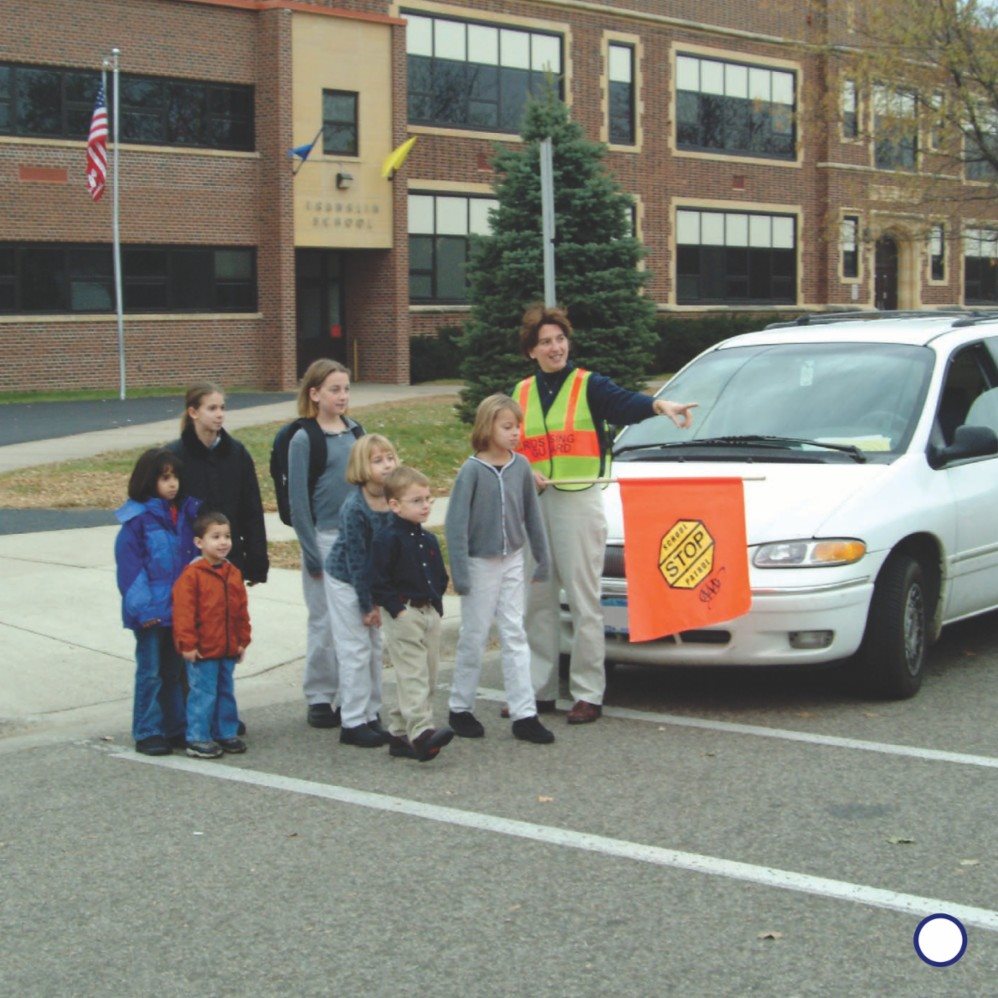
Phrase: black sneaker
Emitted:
{"points": [[322, 715], [153, 745], [177, 741], [204, 750], [400, 747], [378, 728], [465, 724], [530, 729], [362, 736], [232, 745]]}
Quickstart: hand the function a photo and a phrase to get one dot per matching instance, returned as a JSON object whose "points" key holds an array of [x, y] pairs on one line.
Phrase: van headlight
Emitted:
{"points": [[809, 554]]}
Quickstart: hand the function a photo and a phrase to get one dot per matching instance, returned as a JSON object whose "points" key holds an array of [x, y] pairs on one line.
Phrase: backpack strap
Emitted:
{"points": [[316, 452]]}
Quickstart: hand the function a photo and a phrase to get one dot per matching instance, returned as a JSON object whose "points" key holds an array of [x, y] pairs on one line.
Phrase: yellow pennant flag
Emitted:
{"points": [[394, 160]]}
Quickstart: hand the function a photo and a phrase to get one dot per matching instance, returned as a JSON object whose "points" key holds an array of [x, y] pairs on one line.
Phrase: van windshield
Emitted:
{"points": [[857, 395]]}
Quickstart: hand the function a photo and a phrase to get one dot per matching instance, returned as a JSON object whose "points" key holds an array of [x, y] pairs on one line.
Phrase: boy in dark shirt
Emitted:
{"points": [[408, 583]]}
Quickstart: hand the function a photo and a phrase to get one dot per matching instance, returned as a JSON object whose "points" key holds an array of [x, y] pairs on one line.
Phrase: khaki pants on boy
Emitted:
{"points": [[413, 643]]}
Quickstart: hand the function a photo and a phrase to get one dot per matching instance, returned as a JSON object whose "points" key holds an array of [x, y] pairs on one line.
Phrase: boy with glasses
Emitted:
{"points": [[408, 583]]}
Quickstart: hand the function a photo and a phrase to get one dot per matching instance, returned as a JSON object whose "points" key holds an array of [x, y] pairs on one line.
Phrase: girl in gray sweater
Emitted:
{"points": [[493, 509]]}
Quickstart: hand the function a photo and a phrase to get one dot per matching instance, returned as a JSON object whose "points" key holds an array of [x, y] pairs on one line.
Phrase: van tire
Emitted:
{"points": [[891, 659]]}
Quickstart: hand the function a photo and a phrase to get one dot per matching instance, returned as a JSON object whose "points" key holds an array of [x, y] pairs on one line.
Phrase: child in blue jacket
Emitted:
{"points": [[154, 544]]}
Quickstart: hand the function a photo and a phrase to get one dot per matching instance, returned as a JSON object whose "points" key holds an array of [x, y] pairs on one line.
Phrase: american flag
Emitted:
{"points": [[97, 148]]}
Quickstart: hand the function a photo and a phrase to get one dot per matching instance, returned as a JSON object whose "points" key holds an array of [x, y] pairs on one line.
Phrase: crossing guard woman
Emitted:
{"points": [[566, 410]]}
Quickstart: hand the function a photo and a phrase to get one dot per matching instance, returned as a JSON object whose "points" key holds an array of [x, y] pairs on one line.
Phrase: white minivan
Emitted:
{"points": [[869, 452]]}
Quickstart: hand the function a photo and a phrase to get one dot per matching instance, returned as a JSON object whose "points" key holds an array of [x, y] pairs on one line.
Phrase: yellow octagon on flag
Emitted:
{"points": [[686, 555]]}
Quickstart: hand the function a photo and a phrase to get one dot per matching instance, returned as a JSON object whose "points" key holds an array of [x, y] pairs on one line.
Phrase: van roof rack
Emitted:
{"points": [[869, 315], [989, 315]]}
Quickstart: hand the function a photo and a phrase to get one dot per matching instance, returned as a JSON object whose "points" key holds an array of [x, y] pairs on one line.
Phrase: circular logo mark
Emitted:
{"points": [[940, 940]]}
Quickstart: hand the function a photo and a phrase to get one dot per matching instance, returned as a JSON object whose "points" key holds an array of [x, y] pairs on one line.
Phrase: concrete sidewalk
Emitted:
{"points": [[68, 663]]}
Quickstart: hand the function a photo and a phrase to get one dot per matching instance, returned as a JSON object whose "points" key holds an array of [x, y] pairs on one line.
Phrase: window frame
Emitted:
{"points": [[975, 232], [711, 269], [844, 276], [209, 119], [329, 123], [931, 257], [887, 93], [732, 61], [432, 272], [632, 85], [169, 278], [501, 124], [844, 131]]}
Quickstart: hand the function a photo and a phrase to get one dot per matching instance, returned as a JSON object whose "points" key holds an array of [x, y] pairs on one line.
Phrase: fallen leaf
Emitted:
{"points": [[514, 907], [869, 713], [107, 738], [805, 713], [969, 654], [292, 835], [899, 840], [969, 862], [541, 799], [770, 935], [710, 755], [661, 728], [197, 833]]}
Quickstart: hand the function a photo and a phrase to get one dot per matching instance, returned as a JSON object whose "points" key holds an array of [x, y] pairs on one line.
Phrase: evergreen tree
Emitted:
{"points": [[596, 263]]}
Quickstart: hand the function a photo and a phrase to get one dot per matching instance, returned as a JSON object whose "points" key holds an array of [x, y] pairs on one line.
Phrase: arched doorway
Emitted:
{"points": [[886, 273]]}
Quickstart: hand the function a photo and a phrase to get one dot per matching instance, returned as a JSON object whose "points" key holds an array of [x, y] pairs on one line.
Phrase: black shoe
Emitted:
{"points": [[177, 741], [530, 729], [427, 744], [154, 745], [322, 715], [232, 745], [362, 736], [465, 724], [545, 706], [241, 729], [204, 750], [377, 727], [400, 747]]}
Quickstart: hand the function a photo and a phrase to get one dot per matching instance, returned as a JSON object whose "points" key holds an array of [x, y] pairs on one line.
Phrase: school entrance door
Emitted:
{"points": [[886, 277], [319, 294]]}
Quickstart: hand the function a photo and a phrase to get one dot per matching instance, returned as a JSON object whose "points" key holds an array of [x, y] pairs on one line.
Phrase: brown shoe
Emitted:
{"points": [[583, 712]]}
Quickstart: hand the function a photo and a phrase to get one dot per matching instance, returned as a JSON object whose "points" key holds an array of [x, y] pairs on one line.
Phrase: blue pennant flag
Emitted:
{"points": [[301, 151]]}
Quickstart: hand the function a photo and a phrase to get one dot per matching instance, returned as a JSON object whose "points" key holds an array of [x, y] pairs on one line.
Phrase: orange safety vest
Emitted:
{"points": [[565, 442]]}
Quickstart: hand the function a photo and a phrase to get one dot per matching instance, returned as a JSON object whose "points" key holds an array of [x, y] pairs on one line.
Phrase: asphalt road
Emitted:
{"points": [[505, 868], [22, 422]]}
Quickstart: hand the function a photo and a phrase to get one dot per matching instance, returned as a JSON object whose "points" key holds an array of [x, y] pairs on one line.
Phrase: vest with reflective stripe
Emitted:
{"points": [[564, 443]]}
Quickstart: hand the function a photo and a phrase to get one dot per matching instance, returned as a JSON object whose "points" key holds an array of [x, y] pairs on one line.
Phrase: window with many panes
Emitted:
{"points": [[441, 227], [850, 110], [980, 266], [54, 278], [981, 148], [734, 108], [462, 74], [339, 123], [49, 102], [895, 128], [728, 257], [621, 103], [937, 252], [849, 241]]}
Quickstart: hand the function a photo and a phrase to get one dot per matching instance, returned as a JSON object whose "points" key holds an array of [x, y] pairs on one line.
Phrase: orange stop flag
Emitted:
{"points": [[685, 554]]}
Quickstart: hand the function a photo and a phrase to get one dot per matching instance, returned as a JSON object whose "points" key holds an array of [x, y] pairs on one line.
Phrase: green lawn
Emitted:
{"points": [[426, 432]]}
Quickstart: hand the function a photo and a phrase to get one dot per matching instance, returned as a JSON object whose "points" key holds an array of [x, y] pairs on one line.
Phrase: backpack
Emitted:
{"points": [[316, 460]]}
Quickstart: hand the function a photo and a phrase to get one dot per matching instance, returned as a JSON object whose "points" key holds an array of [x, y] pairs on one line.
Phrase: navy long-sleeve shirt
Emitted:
{"points": [[350, 557], [406, 564]]}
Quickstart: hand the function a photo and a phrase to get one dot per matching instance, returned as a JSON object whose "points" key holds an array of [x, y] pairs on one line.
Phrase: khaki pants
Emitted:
{"points": [[576, 530], [413, 642]]}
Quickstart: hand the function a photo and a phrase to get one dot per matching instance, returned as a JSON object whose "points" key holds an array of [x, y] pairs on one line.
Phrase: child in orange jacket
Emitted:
{"points": [[211, 629]]}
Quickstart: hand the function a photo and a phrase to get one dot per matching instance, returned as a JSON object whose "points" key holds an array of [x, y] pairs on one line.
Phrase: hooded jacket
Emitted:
{"points": [[224, 477], [151, 552], [210, 610]]}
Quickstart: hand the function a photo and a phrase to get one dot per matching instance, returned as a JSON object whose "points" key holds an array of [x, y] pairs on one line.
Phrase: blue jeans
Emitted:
{"points": [[211, 700], [158, 707]]}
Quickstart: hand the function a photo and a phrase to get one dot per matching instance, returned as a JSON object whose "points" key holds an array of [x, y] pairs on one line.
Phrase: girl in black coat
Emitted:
{"points": [[218, 469]]}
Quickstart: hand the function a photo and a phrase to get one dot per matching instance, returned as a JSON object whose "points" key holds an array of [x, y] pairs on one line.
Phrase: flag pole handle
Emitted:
{"points": [[615, 481]]}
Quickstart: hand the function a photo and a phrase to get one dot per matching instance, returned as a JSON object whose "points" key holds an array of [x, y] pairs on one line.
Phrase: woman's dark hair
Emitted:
{"points": [[538, 315], [148, 468]]}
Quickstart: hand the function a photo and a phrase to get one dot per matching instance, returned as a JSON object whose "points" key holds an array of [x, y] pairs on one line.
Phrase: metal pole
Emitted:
{"points": [[115, 225], [547, 220]]}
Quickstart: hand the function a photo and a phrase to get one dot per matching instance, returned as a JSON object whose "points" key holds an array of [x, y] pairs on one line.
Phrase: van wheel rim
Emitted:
{"points": [[914, 630]]}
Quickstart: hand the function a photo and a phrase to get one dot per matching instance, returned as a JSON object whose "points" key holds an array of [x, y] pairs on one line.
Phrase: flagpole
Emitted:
{"points": [[115, 222]]}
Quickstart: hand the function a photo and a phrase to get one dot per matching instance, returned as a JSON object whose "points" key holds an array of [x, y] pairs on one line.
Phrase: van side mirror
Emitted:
{"points": [[968, 442]]}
